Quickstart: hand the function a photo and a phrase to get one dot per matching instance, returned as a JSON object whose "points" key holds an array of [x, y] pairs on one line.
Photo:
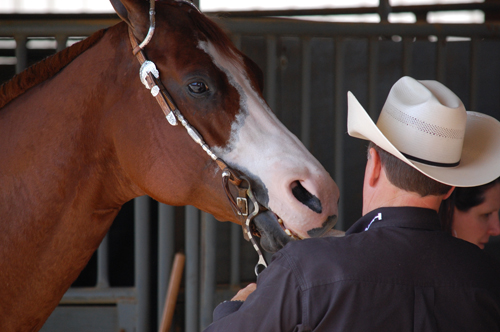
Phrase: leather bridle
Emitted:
{"points": [[244, 203]]}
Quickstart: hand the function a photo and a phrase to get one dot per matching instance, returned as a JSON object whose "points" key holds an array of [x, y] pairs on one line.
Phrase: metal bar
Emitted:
{"points": [[384, 9], [291, 27], [265, 26], [235, 279], [102, 264], [305, 123], [142, 258], [45, 28], [209, 233], [358, 10], [340, 120], [95, 295], [192, 269], [166, 251], [441, 60], [407, 55], [474, 79], [373, 52], [61, 42], [271, 67], [21, 52], [82, 17]]}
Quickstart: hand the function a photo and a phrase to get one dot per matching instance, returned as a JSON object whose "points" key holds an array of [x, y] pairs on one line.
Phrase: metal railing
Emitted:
{"points": [[383, 10]]}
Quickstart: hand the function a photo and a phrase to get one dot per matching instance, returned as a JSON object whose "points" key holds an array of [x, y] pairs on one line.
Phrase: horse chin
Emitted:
{"points": [[272, 235]]}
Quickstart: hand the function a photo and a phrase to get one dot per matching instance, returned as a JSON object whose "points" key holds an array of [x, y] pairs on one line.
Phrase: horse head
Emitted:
{"points": [[218, 90]]}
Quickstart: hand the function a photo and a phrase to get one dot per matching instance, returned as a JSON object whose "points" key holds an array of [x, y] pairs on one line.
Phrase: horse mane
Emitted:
{"points": [[45, 69]]}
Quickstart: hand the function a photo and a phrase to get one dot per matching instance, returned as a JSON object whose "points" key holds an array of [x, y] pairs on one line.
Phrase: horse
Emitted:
{"points": [[80, 135]]}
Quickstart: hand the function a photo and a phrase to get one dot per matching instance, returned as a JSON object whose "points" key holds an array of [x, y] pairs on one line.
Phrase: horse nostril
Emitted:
{"points": [[305, 197]]}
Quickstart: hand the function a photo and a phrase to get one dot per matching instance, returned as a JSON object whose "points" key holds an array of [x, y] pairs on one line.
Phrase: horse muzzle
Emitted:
{"points": [[272, 235]]}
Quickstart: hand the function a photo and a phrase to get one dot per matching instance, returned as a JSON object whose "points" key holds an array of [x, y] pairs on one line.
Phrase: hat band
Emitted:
{"points": [[430, 163]]}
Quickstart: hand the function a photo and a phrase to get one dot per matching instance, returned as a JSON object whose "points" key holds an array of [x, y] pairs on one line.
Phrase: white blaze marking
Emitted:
{"points": [[260, 143]]}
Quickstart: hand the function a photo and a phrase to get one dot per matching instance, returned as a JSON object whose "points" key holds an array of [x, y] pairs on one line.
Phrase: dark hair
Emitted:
{"points": [[462, 198], [405, 177]]}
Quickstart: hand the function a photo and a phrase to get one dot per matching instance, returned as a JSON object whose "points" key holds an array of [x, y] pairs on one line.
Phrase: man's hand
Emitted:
{"points": [[244, 292]]}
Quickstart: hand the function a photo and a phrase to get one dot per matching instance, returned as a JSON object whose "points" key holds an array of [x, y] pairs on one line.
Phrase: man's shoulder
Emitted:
{"points": [[311, 246], [410, 257], [318, 253]]}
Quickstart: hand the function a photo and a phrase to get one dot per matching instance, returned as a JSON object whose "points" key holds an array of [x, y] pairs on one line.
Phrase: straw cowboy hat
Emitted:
{"points": [[426, 125]]}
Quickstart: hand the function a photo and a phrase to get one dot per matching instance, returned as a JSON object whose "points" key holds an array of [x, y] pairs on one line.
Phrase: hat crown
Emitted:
{"points": [[425, 121], [429, 120]]}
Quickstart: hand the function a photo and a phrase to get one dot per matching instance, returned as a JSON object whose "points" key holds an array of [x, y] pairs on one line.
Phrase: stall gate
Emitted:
{"points": [[308, 69]]}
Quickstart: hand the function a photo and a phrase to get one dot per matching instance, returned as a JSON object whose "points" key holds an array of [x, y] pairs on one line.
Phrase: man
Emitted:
{"points": [[394, 270]]}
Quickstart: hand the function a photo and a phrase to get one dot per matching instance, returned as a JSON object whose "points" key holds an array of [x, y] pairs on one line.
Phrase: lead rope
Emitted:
{"points": [[150, 77]]}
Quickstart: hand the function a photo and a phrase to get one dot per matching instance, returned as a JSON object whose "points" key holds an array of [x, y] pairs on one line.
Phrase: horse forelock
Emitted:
{"points": [[210, 31], [45, 69]]}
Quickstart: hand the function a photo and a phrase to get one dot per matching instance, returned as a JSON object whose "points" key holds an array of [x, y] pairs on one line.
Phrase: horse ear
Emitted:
{"points": [[135, 13], [120, 9]]}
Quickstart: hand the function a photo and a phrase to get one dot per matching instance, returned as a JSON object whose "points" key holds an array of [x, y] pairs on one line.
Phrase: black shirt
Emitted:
{"points": [[393, 271]]}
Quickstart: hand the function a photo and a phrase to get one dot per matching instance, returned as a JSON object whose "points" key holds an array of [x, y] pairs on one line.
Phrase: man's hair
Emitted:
{"points": [[405, 177]]}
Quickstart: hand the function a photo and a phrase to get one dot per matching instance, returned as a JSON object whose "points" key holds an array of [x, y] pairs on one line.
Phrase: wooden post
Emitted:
{"points": [[173, 291]]}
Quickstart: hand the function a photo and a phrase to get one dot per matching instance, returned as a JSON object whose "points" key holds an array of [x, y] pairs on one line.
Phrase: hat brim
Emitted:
{"points": [[480, 161]]}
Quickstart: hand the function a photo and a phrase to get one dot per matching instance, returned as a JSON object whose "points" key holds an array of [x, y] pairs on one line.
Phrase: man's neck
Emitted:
{"points": [[390, 196], [379, 192]]}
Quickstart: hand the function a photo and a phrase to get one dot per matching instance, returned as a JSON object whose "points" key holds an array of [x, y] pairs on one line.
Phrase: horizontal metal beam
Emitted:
{"points": [[47, 27], [259, 26], [59, 17], [417, 9], [76, 295], [265, 26]]}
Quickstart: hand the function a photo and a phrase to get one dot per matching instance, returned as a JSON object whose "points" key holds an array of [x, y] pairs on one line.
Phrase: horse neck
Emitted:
{"points": [[59, 151], [61, 184]]}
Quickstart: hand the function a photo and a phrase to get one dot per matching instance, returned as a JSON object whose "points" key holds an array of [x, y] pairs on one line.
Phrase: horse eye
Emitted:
{"points": [[197, 87]]}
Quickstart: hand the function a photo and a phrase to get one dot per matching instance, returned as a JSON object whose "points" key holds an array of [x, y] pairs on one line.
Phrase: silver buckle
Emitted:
{"points": [[146, 68], [242, 206]]}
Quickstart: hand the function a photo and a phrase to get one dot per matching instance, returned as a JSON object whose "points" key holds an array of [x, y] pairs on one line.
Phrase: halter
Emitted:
{"points": [[150, 77]]}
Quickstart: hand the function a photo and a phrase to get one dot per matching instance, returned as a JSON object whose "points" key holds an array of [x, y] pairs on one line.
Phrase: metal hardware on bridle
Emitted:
{"points": [[243, 209], [150, 77], [151, 30], [240, 206], [261, 262]]}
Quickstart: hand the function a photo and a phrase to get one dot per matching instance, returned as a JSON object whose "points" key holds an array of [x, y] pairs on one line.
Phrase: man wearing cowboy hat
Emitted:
{"points": [[395, 270]]}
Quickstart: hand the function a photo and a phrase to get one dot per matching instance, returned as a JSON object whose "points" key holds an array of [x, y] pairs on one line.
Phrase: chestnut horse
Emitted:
{"points": [[80, 135]]}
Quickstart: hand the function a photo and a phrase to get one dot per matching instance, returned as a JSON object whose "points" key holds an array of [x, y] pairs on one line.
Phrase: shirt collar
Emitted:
{"points": [[403, 217]]}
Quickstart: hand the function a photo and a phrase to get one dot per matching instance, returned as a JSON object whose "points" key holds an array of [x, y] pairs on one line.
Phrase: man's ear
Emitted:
{"points": [[373, 167], [448, 194]]}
